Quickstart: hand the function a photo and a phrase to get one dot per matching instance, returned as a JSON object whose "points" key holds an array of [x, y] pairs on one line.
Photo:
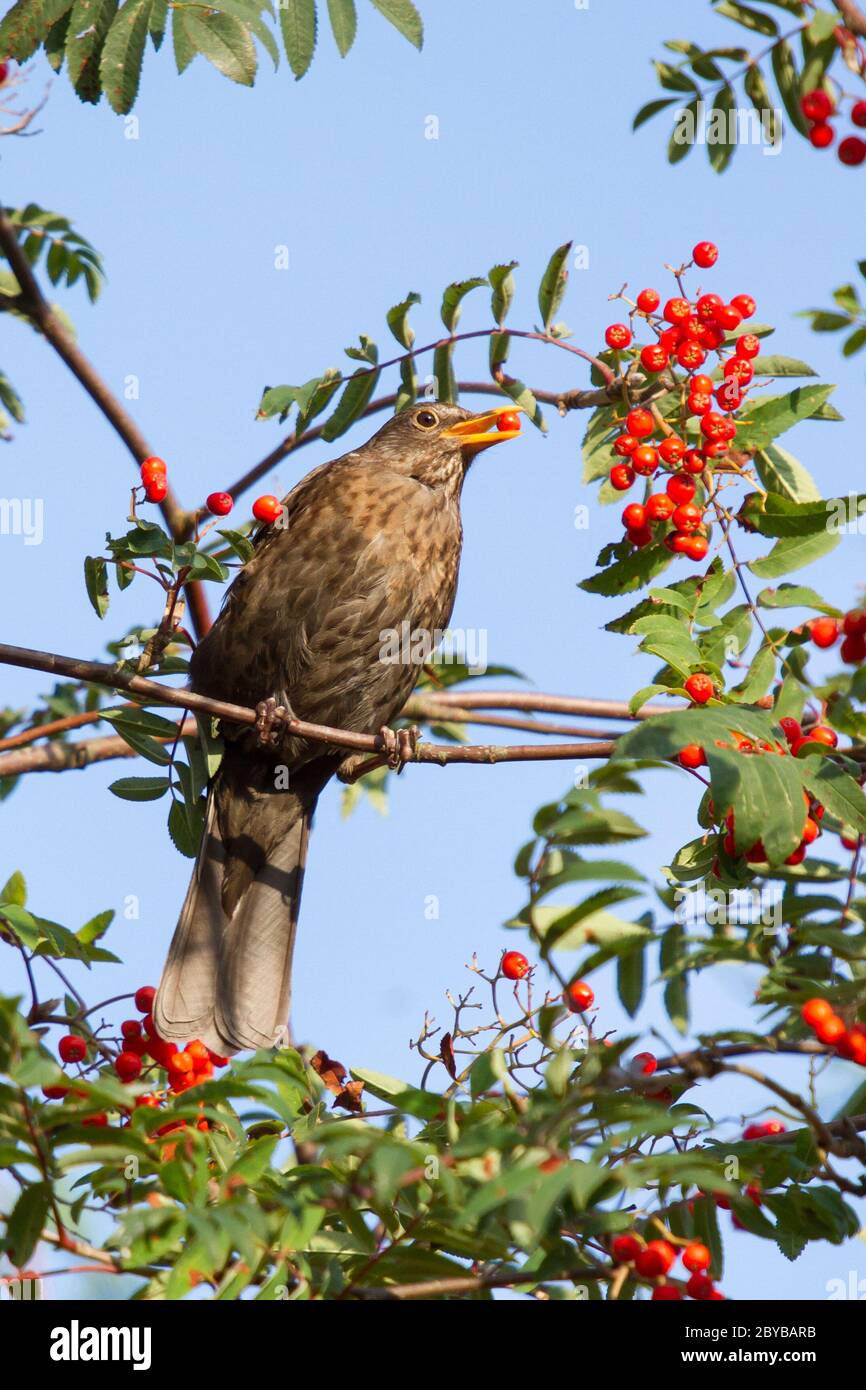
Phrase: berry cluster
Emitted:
{"points": [[578, 997], [829, 1028], [685, 333], [154, 479], [825, 632], [185, 1067], [655, 1258], [818, 108]]}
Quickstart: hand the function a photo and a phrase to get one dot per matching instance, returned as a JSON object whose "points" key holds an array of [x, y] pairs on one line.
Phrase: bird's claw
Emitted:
{"points": [[270, 718], [399, 745]]}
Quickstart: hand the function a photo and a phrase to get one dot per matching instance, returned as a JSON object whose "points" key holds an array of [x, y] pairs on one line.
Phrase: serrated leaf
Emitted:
{"points": [[780, 472], [632, 572], [226, 43], [794, 553], [123, 53], [553, 284], [769, 416], [298, 28], [404, 16], [89, 23], [344, 23]]}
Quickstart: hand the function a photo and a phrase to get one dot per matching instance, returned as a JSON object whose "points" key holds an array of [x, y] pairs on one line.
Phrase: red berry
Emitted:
{"points": [[653, 357], [624, 1249], [694, 462], [696, 547], [728, 317], [144, 998], [748, 345], [634, 516], [151, 468], [830, 1030], [645, 460], [822, 135], [699, 403], [728, 393], [621, 477], [791, 729], [4, 72], [713, 425], [624, 445], [696, 1257], [797, 856], [671, 338], [128, 1066], [131, 1028], [852, 150], [514, 965], [705, 254], [816, 105], [677, 310], [858, 113], [853, 650], [678, 542], [816, 1011], [579, 996], [267, 508], [819, 733], [854, 622], [745, 303], [687, 517], [656, 1258], [220, 503], [648, 1063], [156, 490], [811, 831], [508, 420], [700, 1286], [639, 536], [672, 449], [691, 756], [706, 307], [72, 1048], [648, 301], [54, 1092], [666, 1293], [699, 688], [740, 368], [691, 355], [618, 335], [659, 506], [640, 423]]}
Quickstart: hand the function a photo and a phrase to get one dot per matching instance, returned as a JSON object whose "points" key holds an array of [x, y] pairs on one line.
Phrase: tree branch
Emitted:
{"points": [[98, 673], [855, 18], [33, 303]]}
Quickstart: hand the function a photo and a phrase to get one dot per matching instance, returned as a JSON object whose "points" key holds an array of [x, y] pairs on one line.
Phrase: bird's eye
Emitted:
{"points": [[426, 419]]}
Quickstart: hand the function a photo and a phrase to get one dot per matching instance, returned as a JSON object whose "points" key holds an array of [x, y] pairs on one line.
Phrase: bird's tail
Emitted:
{"points": [[227, 979]]}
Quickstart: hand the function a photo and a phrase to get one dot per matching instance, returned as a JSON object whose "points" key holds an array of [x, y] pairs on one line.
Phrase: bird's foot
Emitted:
{"points": [[399, 745], [270, 718]]}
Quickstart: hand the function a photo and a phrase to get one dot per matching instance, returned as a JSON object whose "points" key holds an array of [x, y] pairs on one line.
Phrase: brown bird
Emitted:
{"points": [[365, 544]]}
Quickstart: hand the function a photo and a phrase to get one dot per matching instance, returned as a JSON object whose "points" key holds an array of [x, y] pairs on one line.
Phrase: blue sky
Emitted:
{"points": [[534, 148]]}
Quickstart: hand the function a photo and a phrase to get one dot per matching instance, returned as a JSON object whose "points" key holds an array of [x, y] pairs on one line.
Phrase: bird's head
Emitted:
{"points": [[435, 442]]}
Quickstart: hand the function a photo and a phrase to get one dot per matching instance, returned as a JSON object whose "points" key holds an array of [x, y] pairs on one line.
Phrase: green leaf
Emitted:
{"points": [[453, 298], [788, 82], [633, 572], [344, 23], [673, 951], [777, 365], [794, 553], [14, 890], [88, 25], [757, 91], [769, 416], [780, 472], [140, 788], [630, 980], [356, 394], [796, 596], [226, 43], [553, 284], [398, 320], [96, 581], [184, 48], [681, 140], [651, 109], [26, 1221], [501, 280], [777, 515], [522, 396], [720, 151], [856, 341], [755, 20], [404, 16], [298, 27], [122, 54]]}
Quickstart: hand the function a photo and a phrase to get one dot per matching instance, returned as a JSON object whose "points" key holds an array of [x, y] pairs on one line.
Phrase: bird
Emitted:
{"points": [[363, 544]]}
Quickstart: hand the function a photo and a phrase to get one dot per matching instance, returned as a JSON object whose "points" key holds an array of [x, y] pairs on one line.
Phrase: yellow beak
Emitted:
{"points": [[482, 430]]}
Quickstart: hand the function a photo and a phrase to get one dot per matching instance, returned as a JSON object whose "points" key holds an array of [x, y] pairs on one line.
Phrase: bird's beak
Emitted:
{"points": [[483, 430]]}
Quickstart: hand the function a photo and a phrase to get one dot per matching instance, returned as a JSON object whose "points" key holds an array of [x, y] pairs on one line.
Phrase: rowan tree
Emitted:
{"points": [[533, 1148]]}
